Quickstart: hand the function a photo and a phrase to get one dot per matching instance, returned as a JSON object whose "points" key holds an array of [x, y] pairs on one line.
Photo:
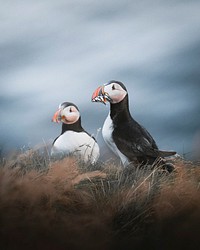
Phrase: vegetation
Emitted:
{"points": [[64, 204]]}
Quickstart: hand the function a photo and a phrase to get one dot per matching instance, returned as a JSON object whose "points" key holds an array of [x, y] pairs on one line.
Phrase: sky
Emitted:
{"points": [[54, 50]]}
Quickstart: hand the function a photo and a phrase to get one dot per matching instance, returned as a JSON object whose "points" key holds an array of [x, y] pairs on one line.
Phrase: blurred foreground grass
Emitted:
{"points": [[48, 204]]}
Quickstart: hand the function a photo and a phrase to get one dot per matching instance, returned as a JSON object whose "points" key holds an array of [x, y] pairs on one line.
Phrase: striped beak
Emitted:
{"points": [[57, 116], [100, 95]]}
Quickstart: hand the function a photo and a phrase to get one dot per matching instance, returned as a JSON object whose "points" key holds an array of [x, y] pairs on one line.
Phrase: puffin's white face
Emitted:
{"points": [[115, 92], [112, 92], [67, 115]]}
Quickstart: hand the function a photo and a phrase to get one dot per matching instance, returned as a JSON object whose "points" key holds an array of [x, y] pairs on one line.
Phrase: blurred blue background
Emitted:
{"points": [[54, 50]]}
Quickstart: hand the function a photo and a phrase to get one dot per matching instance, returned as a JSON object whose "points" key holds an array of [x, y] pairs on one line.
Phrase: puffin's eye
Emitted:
{"points": [[113, 87], [70, 110]]}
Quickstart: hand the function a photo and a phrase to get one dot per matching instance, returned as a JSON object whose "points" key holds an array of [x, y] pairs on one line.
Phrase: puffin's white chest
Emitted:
{"points": [[77, 143], [107, 131]]}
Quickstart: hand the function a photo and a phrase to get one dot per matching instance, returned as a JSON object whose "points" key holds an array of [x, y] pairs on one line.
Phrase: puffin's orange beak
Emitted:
{"points": [[57, 116], [99, 95]]}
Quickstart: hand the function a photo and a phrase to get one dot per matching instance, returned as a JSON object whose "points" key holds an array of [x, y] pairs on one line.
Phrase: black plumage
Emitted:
{"points": [[132, 139]]}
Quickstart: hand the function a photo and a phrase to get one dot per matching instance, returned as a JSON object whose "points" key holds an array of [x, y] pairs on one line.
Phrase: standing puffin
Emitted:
{"points": [[126, 138], [73, 140]]}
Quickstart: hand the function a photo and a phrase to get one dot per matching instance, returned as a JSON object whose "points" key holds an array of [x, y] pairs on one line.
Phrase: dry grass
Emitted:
{"points": [[46, 204]]}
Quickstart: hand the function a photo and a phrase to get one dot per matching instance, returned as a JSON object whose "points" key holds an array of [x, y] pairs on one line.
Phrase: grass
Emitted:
{"points": [[55, 205]]}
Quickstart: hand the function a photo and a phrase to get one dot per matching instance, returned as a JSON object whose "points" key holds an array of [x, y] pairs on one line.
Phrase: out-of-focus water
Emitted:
{"points": [[61, 50]]}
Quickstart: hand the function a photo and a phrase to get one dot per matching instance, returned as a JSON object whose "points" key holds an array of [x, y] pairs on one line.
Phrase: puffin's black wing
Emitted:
{"points": [[135, 141]]}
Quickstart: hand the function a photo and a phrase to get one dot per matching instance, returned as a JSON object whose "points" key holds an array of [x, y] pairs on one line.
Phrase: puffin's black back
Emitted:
{"points": [[133, 140]]}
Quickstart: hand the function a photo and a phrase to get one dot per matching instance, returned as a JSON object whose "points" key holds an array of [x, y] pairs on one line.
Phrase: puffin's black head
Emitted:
{"points": [[117, 82], [67, 113], [113, 91]]}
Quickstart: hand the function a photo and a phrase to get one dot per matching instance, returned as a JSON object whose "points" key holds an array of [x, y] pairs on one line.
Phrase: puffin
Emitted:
{"points": [[74, 139], [130, 141]]}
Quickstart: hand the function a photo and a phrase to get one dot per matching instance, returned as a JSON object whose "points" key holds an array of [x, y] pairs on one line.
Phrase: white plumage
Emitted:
{"points": [[107, 136], [79, 144]]}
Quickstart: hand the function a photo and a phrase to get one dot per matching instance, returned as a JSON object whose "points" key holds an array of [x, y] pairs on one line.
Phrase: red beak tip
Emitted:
{"points": [[97, 95]]}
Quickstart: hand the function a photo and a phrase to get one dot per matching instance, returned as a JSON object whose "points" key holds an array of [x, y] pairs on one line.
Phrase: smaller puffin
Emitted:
{"points": [[73, 140], [126, 137]]}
